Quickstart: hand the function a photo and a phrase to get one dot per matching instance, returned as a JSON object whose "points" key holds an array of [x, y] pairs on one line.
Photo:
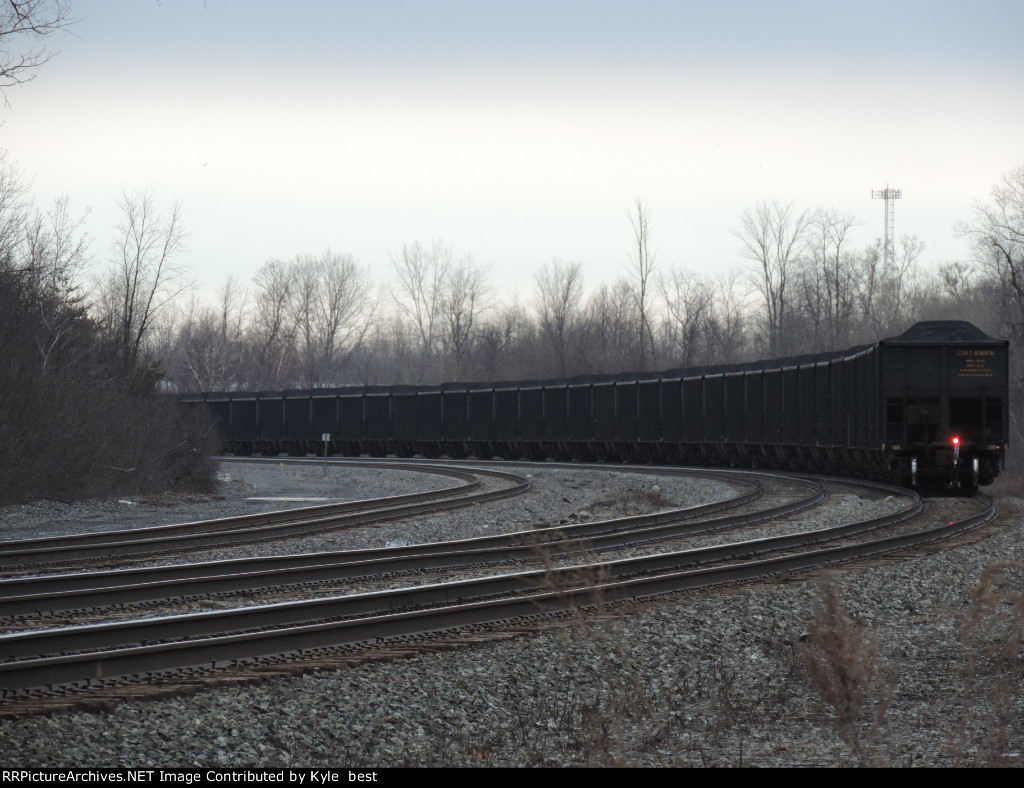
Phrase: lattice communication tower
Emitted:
{"points": [[889, 195]]}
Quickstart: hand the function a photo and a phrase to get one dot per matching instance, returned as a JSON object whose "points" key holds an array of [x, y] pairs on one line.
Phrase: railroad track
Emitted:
{"points": [[247, 529], [74, 658], [37, 595]]}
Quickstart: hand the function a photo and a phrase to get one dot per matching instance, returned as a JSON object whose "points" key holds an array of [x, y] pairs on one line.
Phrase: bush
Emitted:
{"points": [[74, 422]]}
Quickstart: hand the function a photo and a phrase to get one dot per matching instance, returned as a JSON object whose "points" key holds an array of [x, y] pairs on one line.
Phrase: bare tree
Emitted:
{"points": [[209, 353], [461, 303], [28, 19], [421, 275], [57, 248], [15, 212], [827, 286], [273, 332], [331, 311], [997, 233], [612, 318], [506, 341], [198, 360], [642, 266], [54, 257], [233, 307], [46, 253], [956, 280], [146, 274], [773, 238], [689, 303], [559, 309], [727, 322], [885, 288]]}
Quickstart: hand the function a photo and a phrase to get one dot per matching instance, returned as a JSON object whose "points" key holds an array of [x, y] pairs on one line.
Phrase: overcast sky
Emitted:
{"points": [[521, 131]]}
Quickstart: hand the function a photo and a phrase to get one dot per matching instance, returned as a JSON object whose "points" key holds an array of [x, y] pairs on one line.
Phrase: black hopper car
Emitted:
{"points": [[928, 407]]}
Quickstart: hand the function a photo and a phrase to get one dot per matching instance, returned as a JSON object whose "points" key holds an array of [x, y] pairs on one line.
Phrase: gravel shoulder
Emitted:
{"points": [[693, 680]]}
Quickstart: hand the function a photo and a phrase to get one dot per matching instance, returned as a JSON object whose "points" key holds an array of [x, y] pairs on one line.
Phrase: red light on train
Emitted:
{"points": [[956, 440]]}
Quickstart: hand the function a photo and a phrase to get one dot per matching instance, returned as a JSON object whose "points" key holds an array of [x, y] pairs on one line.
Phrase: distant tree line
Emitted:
{"points": [[320, 320]]}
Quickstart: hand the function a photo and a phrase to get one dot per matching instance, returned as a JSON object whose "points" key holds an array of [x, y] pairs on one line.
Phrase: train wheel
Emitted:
{"points": [[974, 475]]}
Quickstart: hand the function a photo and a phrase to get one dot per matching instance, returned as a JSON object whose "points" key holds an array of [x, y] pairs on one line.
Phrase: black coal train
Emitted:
{"points": [[927, 407]]}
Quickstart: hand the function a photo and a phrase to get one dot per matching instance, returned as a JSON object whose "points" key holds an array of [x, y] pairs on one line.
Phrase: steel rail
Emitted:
{"points": [[104, 636], [49, 593], [260, 527], [225, 649], [230, 523]]}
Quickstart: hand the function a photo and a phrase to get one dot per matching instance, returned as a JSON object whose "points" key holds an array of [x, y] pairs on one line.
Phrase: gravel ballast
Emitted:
{"points": [[692, 680]]}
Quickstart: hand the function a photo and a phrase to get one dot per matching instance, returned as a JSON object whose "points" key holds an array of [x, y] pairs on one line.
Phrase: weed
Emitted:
{"points": [[841, 659], [636, 500], [993, 637]]}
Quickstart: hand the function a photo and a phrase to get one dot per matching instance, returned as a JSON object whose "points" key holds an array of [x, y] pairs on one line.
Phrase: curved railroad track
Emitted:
{"points": [[35, 596], [568, 567], [147, 542]]}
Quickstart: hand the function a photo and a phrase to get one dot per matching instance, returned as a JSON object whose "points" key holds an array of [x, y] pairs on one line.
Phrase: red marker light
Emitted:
{"points": [[956, 440]]}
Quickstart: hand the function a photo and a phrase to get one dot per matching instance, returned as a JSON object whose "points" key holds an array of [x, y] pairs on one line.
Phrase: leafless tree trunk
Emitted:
{"points": [[462, 301], [273, 332], [727, 323], [642, 266], [332, 312], [884, 288], [209, 352], [558, 308], [773, 239], [611, 319], [421, 275], [506, 342], [828, 282], [688, 306]]}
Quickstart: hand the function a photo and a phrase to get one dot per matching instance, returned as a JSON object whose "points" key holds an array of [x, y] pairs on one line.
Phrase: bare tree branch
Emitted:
{"points": [[28, 19]]}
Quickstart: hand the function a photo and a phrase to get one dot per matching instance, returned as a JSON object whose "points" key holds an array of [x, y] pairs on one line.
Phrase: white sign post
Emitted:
{"points": [[326, 438]]}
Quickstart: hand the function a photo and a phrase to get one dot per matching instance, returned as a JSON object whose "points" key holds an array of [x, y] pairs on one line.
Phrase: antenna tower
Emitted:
{"points": [[889, 195]]}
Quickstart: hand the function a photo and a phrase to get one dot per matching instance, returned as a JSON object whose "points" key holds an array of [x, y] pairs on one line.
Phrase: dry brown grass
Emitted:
{"points": [[842, 660], [635, 500], [993, 639]]}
